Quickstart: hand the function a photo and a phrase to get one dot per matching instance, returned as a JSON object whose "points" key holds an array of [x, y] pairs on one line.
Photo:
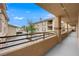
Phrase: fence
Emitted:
{"points": [[14, 40]]}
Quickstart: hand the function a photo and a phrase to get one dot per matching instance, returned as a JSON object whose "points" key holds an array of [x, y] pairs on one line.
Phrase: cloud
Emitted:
{"points": [[18, 18], [50, 16]]}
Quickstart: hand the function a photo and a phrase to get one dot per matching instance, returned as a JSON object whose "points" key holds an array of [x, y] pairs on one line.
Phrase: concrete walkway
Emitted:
{"points": [[68, 47]]}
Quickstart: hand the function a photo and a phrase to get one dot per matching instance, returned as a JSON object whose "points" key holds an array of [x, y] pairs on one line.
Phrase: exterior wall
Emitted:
{"points": [[43, 26], [40, 27], [77, 31], [3, 23], [3, 20], [63, 27], [70, 28], [36, 49], [55, 25], [11, 31], [50, 25], [4, 26]]}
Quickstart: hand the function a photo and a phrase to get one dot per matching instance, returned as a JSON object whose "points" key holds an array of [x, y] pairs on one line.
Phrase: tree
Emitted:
{"points": [[30, 28], [25, 28]]}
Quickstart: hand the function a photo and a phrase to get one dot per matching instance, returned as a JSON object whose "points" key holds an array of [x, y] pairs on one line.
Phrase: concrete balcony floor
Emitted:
{"points": [[68, 47]]}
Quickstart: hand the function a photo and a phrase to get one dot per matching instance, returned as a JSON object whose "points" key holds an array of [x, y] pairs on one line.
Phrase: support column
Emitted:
{"points": [[67, 28], [58, 27], [77, 31]]}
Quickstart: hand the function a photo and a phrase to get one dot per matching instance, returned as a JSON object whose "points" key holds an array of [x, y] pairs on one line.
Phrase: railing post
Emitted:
{"points": [[31, 37], [27, 35], [2, 40], [43, 35]]}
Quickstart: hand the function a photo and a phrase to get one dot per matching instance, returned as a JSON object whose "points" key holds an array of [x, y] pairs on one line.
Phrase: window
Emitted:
{"points": [[49, 27]]}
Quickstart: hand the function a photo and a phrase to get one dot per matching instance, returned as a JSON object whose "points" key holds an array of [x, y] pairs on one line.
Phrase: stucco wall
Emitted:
{"points": [[38, 49], [4, 26], [11, 31], [40, 27]]}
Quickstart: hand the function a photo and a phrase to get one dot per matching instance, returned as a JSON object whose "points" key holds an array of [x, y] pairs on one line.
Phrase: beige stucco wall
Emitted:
{"points": [[55, 24], [41, 27], [44, 25], [4, 26], [38, 49], [11, 31], [4, 29]]}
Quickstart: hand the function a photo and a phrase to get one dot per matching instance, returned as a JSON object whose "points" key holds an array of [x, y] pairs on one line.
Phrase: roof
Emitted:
{"points": [[12, 26], [68, 11], [43, 20]]}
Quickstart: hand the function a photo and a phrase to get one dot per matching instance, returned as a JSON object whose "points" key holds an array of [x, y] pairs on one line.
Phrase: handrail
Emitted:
{"points": [[18, 39], [25, 34], [28, 37]]}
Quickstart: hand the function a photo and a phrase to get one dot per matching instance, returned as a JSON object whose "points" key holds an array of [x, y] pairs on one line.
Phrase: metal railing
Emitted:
{"points": [[14, 40]]}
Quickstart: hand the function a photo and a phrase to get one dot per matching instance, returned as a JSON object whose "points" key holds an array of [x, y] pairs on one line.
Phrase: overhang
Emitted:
{"points": [[68, 11]]}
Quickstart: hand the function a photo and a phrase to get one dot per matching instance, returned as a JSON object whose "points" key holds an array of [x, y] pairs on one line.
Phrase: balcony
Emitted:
{"points": [[41, 43], [32, 44]]}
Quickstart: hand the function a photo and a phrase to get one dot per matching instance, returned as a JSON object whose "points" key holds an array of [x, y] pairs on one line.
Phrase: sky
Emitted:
{"points": [[21, 13]]}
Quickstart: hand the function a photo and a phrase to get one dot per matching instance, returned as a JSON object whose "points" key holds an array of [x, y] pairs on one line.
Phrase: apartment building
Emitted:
{"points": [[49, 25], [3, 23], [3, 20], [44, 26]]}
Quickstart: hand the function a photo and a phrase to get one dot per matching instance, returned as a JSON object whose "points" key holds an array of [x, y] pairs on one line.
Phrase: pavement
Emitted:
{"points": [[68, 47]]}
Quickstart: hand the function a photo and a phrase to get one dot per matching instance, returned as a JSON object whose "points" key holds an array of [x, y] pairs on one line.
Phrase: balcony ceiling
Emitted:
{"points": [[68, 11], [2, 6]]}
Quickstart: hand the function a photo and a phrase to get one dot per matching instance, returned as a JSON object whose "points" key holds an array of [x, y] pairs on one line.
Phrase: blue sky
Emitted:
{"points": [[20, 13]]}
